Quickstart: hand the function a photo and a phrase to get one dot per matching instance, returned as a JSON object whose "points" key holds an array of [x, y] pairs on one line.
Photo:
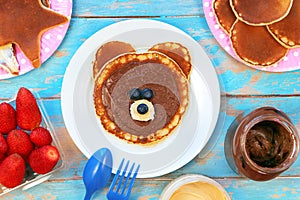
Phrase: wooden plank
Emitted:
{"points": [[137, 8], [151, 190]]}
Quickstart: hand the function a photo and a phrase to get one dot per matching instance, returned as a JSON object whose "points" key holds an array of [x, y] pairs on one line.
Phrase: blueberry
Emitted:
{"points": [[135, 94], [142, 108], [147, 93]]}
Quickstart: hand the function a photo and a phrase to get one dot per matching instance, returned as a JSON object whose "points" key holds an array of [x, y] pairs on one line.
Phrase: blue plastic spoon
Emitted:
{"points": [[97, 171]]}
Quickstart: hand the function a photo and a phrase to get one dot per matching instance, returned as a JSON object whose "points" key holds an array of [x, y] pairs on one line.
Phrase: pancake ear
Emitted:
{"points": [[176, 51], [109, 51]]}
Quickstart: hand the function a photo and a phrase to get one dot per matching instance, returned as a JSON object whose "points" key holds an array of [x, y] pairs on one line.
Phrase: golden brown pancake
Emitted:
{"points": [[152, 70], [21, 27], [108, 51], [177, 52], [255, 45], [224, 14], [287, 31], [261, 12]]}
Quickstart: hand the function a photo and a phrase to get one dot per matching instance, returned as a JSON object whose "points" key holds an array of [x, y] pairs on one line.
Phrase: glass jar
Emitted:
{"points": [[262, 144]]}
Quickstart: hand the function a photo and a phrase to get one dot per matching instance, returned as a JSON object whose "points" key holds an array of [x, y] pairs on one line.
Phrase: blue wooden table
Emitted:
{"points": [[242, 89]]}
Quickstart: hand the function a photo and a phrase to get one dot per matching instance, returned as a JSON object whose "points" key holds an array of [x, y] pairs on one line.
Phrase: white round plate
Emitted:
{"points": [[177, 149]]}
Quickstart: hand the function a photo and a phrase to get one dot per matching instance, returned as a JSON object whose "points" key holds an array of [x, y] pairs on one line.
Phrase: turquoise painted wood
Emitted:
{"points": [[242, 88], [150, 190], [137, 8]]}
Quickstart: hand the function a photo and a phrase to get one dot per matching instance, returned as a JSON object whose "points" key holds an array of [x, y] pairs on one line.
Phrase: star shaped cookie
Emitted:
{"points": [[23, 22]]}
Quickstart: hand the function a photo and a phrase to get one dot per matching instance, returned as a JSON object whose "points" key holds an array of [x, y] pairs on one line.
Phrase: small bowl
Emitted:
{"points": [[190, 178], [31, 178]]}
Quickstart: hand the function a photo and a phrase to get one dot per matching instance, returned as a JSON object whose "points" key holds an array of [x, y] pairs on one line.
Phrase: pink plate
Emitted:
{"points": [[50, 40], [289, 63]]}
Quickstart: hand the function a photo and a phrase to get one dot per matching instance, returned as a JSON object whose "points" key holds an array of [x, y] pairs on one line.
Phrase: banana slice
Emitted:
{"points": [[147, 115]]}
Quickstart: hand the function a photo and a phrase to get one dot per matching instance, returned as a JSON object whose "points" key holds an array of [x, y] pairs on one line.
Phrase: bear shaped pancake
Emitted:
{"points": [[141, 97]]}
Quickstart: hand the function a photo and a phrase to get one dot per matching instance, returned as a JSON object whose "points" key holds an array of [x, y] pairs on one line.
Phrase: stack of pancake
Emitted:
{"points": [[261, 32], [122, 75]]}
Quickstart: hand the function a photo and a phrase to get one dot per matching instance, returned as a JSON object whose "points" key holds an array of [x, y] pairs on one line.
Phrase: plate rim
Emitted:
{"points": [[67, 106]]}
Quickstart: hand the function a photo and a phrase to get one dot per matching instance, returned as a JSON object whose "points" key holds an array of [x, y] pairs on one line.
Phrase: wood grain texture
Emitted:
{"points": [[152, 189], [136, 8], [243, 89]]}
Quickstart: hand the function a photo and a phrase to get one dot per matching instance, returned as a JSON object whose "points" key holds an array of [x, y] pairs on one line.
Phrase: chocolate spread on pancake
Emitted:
{"points": [[141, 75]]}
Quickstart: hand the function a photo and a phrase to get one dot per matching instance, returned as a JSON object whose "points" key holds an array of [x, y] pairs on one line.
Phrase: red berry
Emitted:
{"points": [[2, 156], [12, 171], [40, 137], [3, 145], [44, 159], [7, 118], [18, 142], [28, 113]]}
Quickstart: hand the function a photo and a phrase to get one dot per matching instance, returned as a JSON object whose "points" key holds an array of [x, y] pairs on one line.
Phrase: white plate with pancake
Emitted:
{"points": [[177, 149]]}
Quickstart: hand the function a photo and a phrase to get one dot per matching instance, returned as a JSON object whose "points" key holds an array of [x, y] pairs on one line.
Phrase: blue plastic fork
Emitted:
{"points": [[117, 191]]}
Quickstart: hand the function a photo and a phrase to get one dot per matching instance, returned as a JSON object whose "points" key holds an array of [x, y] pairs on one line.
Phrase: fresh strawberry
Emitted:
{"points": [[44, 159], [18, 142], [28, 113], [3, 145], [12, 171], [2, 156], [40, 136], [7, 117]]}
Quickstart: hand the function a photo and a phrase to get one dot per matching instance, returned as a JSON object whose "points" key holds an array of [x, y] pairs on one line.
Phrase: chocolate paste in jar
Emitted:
{"points": [[268, 144], [262, 144]]}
